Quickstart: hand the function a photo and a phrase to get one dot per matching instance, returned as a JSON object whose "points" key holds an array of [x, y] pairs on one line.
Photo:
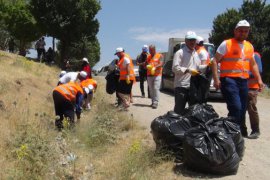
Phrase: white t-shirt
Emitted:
{"points": [[203, 55], [126, 61], [69, 77]]}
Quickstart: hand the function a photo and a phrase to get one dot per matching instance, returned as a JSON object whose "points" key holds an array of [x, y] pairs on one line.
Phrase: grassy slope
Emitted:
{"points": [[107, 144]]}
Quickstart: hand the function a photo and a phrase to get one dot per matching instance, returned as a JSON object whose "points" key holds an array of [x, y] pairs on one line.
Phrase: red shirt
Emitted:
{"points": [[87, 69]]}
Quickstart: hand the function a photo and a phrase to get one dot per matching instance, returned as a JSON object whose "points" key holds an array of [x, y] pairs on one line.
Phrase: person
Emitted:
{"points": [[201, 51], [72, 77], [186, 62], [253, 89], [236, 58], [40, 47], [11, 45], [154, 72], [141, 62], [49, 55], [91, 84], [126, 78], [66, 97], [86, 67]]}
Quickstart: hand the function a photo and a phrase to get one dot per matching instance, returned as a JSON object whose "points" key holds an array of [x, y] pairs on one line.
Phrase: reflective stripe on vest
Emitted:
{"points": [[154, 61], [201, 48], [233, 64], [69, 90], [123, 69]]}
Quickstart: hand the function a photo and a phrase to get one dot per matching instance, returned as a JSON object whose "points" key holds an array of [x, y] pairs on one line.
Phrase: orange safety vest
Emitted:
{"points": [[69, 90], [253, 82], [202, 48], [88, 82], [233, 64], [123, 69], [154, 61]]}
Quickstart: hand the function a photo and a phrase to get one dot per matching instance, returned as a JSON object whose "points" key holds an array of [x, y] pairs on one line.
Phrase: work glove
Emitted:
{"points": [[149, 67], [193, 72], [153, 70], [128, 79]]}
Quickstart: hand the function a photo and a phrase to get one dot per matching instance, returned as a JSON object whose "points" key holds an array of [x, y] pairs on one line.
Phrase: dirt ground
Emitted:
{"points": [[256, 161]]}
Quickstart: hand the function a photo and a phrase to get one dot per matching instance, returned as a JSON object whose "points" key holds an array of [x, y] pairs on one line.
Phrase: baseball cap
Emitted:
{"points": [[242, 23], [86, 90], [191, 35], [145, 48], [199, 39], [83, 74], [119, 49], [85, 59]]}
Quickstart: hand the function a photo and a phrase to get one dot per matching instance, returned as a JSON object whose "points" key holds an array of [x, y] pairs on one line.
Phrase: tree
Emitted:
{"points": [[70, 21], [20, 23]]}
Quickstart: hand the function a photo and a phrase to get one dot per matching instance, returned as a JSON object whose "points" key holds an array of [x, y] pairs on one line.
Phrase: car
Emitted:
{"points": [[167, 81], [136, 68]]}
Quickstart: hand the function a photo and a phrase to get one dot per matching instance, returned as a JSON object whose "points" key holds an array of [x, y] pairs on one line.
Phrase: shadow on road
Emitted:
{"points": [[141, 105]]}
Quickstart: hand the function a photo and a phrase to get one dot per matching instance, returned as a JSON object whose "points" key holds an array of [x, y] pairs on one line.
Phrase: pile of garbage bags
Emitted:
{"points": [[206, 142]]}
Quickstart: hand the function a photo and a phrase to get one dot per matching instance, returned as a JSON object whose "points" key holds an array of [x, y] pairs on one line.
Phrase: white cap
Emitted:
{"points": [[242, 23], [145, 48], [83, 74], [85, 59], [191, 35], [119, 49], [199, 39], [90, 87], [86, 90], [62, 73]]}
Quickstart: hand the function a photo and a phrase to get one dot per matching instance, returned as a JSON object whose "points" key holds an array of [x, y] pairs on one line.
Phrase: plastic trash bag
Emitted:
{"points": [[111, 81], [210, 149], [168, 131], [199, 113]]}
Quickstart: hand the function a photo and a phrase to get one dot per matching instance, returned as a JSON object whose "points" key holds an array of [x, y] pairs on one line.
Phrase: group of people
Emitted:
{"points": [[42, 54], [74, 92], [239, 78]]}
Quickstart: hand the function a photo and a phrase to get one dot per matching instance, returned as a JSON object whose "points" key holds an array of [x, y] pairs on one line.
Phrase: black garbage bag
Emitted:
{"points": [[112, 81], [199, 87], [210, 149], [233, 130], [199, 113], [168, 131]]}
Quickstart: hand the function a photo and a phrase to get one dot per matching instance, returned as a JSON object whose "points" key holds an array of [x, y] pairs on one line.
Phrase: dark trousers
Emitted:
{"points": [[235, 92], [143, 77], [40, 52], [181, 98], [63, 108]]}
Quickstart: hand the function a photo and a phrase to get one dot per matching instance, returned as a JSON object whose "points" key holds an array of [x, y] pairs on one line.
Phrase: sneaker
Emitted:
{"points": [[154, 106], [254, 135], [244, 134], [88, 107], [143, 96]]}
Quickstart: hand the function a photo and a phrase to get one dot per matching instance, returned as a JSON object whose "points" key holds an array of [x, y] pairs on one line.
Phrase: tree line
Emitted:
{"points": [[72, 22]]}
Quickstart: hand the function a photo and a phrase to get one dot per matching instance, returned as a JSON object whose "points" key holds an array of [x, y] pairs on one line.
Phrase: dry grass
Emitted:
{"points": [[107, 144]]}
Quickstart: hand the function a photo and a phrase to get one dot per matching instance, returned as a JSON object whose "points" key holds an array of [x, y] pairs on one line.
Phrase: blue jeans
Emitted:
{"points": [[235, 92]]}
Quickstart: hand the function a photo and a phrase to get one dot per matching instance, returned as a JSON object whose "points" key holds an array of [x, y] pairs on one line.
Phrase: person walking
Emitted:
{"points": [[253, 90], [40, 47], [72, 77], [185, 63], [236, 58], [127, 77], [66, 97], [142, 62], [154, 72], [86, 67]]}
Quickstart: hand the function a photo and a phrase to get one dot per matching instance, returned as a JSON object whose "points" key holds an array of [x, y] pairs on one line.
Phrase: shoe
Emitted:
{"points": [[143, 96], [244, 134], [154, 106], [254, 135]]}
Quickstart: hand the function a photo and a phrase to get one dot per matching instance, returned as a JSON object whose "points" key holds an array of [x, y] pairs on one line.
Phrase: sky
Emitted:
{"points": [[132, 23]]}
